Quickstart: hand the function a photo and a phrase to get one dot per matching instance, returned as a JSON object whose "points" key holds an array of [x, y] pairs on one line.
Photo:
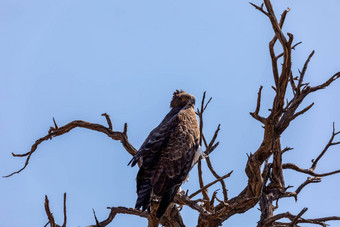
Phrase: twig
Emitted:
{"points": [[302, 111], [206, 105], [108, 120], [65, 216], [297, 217], [286, 149], [302, 73], [95, 218], [299, 189], [224, 188], [199, 163], [255, 114], [329, 144], [283, 17], [211, 146], [317, 221], [327, 83], [210, 184], [55, 124], [125, 129], [213, 197], [200, 179], [48, 212], [307, 171], [260, 8], [293, 48]]}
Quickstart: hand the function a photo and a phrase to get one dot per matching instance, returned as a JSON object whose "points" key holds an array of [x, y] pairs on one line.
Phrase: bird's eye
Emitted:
{"points": [[184, 99]]}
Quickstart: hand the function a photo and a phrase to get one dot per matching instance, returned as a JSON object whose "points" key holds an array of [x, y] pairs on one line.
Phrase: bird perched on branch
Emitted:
{"points": [[168, 154]]}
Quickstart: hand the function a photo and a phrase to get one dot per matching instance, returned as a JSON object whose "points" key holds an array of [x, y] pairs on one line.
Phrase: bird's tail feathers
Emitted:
{"points": [[144, 199], [166, 200]]}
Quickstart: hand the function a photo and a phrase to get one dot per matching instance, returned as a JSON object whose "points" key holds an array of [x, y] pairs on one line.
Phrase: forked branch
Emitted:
{"points": [[50, 216]]}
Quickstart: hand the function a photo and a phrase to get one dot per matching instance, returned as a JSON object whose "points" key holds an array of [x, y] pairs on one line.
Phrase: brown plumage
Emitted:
{"points": [[168, 154]]}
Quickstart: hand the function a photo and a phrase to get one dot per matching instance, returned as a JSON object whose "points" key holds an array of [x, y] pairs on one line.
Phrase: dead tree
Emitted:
{"points": [[266, 184]]}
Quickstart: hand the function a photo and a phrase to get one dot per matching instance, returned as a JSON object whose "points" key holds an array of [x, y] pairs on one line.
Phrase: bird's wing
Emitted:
{"points": [[174, 159], [166, 158], [157, 139], [150, 155]]}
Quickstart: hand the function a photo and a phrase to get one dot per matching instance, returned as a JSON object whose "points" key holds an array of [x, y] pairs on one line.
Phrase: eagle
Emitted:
{"points": [[168, 154]]}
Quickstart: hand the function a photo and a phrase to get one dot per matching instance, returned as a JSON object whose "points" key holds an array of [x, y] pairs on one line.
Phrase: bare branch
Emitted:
{"points": [[292, 84], [211, 146], [293, 48], [48, 213], [274, 125], [55, 124], [65, 216], [224, 188], [269, 221], [108, 120], [307, 171], [302, 111], [213, 197], [125, 130], [283, 17], [326, 84], [260, 8], [297, 217], [199, 163], [287, 149], [206, 105], [200, 178], [54, 132], [329, 144], [210, 184], [308, 181], [204, 141], [274, 60], [95, 218], [319, 220], [183, 199], [302, 73], [255, 114], [120, 210]]}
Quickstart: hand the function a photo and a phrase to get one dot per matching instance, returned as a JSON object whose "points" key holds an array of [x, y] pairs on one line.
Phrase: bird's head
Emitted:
{"points": [[181, 99]]}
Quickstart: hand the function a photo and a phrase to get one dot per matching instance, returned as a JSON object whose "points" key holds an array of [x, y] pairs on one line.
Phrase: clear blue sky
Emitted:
{"points": [[78, 59]]}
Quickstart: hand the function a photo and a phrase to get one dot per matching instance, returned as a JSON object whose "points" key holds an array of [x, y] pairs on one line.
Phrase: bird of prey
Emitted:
{"points": [[168, 154]]}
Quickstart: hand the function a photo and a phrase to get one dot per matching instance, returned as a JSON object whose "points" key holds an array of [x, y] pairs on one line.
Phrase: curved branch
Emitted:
{"points": [[308, 171], [120, 210], [54, 132]]}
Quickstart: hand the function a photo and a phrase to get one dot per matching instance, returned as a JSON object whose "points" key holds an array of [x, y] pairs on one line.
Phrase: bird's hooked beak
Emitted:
{"points": [[193, 100]]}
